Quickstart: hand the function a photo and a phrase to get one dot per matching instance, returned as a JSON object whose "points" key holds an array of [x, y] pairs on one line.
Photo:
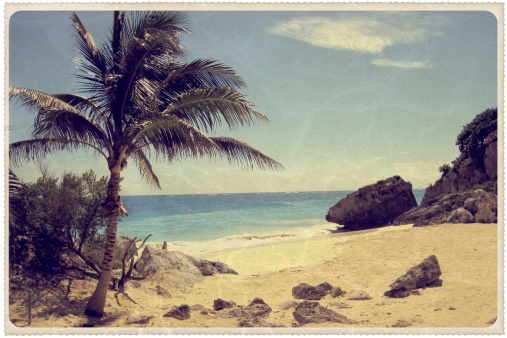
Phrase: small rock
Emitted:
{"points": [[336, 291], [492, 321], [259, 323], [257, 308], [402, 323], [313, 312], [162, 292], [341, 305], [137, 318], [181, 312], [245, 323], [288, 305], [358, 295], [308, 292], [164, 246], [397, 293], [220, 304], [197, 307]]}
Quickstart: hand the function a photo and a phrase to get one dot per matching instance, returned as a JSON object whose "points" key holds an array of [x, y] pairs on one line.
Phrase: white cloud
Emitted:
{"points": [[360, 32], [401, 64]]}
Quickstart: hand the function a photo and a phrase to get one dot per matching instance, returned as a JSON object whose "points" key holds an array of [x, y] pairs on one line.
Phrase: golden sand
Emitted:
{"points": [[367, 261]]}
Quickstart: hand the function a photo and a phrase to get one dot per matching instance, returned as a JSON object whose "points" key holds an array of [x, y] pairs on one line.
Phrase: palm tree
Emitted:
{"points": [[142, 104]]}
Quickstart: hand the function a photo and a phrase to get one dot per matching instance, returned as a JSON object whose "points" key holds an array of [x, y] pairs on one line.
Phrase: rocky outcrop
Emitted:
{"points": [[373, 205], [477, 206], [183, 269], [468, 175], [421, 275], [313, 312]]}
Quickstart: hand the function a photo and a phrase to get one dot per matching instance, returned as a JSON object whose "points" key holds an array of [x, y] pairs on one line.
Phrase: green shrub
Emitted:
{"points": [[51, 215], [471, 139]]}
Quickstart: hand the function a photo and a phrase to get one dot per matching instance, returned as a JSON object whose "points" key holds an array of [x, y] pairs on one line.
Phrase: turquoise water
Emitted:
{"points": [[210, 216]]}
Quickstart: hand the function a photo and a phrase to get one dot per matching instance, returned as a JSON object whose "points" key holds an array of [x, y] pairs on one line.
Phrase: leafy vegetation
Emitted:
{"points": [[471, 139], [54, 216], [444, 169]]}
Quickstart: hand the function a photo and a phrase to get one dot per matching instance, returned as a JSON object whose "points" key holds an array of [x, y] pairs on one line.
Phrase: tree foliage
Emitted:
{"points": [[51, 216], [471, 139]]}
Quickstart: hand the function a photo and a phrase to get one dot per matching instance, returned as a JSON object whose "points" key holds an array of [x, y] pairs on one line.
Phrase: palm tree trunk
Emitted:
{"points": [[97, 302]]}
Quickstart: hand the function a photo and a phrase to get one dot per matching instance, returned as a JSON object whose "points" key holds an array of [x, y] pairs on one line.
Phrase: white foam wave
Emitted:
{"points": [[203, 248]]}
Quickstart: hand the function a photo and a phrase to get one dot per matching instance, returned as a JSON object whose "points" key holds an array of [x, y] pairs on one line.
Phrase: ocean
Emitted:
{"points": [[206, 217]]}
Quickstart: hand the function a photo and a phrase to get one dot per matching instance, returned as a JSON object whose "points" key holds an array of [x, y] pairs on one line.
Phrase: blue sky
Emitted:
{"points": [[352, 97]]}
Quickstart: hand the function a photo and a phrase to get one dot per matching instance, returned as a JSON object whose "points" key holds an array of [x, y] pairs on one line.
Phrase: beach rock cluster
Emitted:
{"points": [[373, 205], [423, 274], [308, 292], [478, 206]]}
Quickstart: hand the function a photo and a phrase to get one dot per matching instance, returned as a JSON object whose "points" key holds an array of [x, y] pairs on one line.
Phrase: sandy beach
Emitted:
{"points": [[371, 260]]}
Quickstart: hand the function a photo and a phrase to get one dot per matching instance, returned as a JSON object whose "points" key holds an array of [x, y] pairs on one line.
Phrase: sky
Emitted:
{"points": [[352, 96]]}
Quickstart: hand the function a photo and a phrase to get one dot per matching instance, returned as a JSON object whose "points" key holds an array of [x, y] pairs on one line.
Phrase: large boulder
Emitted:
{"points": [[313, 312], [373, 205], [424, 273], [176, 268], [153, 260]]}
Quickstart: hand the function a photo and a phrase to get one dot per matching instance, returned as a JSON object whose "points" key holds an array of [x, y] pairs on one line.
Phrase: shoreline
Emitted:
{"points": [[204, 249]]}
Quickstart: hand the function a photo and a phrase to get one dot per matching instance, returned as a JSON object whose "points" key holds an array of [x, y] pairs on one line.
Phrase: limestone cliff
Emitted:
{"points": [[468, 175]]}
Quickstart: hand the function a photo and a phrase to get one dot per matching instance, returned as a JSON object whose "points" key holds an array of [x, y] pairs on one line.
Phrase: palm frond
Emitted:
{"points": [[62, 124], [141, 24], [170, 136], [88, 49], [238, 152], [58, 118], [145, 168], [206, 107], [37, 101], [15, 184], [170, 79], [87, 106], [33, 150]]}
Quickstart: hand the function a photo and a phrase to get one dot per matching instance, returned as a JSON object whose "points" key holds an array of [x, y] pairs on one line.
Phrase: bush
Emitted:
{"points": [[444, 169], [51, 215], [471, 139]]}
